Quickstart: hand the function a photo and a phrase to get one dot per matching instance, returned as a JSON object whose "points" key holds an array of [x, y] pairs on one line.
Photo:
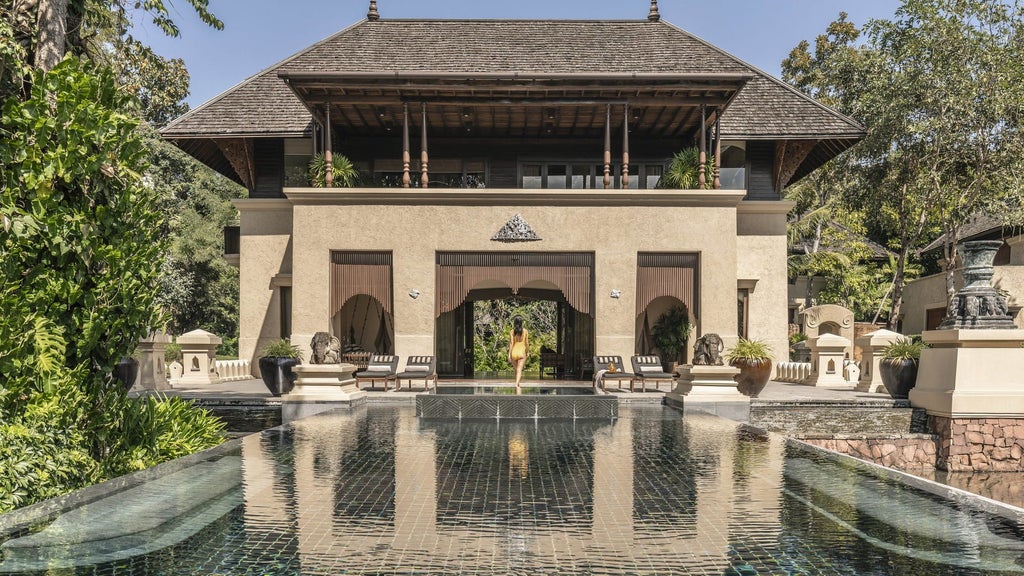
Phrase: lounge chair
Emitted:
{"points": [[382, 368], [614, 371], [418, 368], [649, 369]]}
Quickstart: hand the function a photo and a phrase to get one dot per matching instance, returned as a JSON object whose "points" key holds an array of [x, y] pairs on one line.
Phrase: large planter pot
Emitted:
{"points": [[126, 371], [753, 376], [277, 374], [899, 376]]}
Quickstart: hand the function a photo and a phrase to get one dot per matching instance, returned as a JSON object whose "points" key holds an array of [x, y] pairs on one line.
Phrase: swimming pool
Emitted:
{"points": [[377, 491]]}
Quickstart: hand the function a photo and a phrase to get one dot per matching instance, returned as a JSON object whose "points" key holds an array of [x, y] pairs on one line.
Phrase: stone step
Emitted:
{"points": [[816, 417]]}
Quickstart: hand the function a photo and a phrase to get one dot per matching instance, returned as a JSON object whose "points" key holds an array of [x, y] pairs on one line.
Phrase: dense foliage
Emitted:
{"points": [[81, 251], [493, 325], [938, 88]]}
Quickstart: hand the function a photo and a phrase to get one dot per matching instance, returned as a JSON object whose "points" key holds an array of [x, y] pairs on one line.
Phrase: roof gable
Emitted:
{"points": [[263, 105]]}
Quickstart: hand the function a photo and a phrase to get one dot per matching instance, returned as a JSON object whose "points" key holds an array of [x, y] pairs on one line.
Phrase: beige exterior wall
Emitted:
{"points": [[414, 225], [265, 263], [761, 256]]}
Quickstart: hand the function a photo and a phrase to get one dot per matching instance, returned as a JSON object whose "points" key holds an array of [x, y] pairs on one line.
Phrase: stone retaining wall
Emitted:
{"points": [[909, 452], [979, 444]]}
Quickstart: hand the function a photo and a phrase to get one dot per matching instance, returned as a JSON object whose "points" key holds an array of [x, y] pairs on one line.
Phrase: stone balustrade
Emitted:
{"points": [[792, 372], [233, 370]]}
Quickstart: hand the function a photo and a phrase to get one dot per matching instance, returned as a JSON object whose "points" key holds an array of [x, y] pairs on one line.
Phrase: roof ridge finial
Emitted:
{"points": [[653, 15], [373, 15]]}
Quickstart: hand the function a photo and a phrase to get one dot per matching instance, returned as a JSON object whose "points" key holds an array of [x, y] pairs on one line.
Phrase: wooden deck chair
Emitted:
{"points": [[649, 369], [614, 371], [418, 368], [382, 368]]}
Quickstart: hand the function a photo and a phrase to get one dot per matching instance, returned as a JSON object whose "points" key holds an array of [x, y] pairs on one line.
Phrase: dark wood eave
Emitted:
{"points": [[664, 105]]}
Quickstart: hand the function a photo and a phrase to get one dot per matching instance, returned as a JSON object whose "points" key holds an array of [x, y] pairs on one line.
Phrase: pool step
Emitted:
{"points": [[525, 407], [803, 417]]}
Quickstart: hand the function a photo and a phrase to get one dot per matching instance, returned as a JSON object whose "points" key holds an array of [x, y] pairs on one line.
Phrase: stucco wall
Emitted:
{"points": [[415, 230], [264, 262], [761, 256]]}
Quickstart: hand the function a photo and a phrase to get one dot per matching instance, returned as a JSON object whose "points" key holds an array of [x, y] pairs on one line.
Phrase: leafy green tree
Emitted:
{"points": [[944, 87], [939, 88]]}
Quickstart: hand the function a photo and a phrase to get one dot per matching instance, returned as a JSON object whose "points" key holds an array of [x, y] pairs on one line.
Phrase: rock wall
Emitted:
{"points": [[979, 444], [912, 452]]}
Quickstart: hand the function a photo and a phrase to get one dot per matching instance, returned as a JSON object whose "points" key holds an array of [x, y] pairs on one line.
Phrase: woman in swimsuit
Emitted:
{"points": [[518, 347]]}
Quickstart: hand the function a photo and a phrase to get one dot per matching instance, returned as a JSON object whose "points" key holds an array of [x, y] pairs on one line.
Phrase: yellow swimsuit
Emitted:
{"points": [[518, 347]]}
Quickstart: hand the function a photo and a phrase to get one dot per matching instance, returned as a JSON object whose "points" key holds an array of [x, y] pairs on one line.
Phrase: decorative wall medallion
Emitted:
{"points": [[516, 230]]}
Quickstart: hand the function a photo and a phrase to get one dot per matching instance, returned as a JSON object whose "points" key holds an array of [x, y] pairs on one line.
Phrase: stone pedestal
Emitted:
{"points": [[871, 345], [151, 351], [199, 355], [828, 352], [707, 383], [971, 374], [328, 382]]}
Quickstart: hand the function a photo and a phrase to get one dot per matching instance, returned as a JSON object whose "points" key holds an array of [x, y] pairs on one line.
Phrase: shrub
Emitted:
{"points": [[282, 348], [904, 349], [344, 174], [750, 351]]}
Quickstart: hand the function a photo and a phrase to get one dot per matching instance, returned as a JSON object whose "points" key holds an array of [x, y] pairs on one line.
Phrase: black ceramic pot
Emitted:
{"points": [[899, 376], [277, 374], [126, 371]]}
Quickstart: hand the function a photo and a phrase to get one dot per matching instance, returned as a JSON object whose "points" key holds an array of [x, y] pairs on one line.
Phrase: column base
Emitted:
{"points": [[324, 382]]}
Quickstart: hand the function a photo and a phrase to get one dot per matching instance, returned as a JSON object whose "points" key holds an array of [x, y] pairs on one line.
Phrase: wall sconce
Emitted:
{"points": [[616, 294], [414, 293]]}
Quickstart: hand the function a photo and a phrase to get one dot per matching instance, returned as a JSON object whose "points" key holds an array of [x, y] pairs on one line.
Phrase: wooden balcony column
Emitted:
{"points": [[424, 158], [702, 178], [406, 159], [608, 147], [625, 146], [328, 151], [718, 149]]}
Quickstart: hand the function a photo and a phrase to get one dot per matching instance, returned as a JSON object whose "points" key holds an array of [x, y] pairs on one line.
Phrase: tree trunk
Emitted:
{"points": [[897, 290], [52, 38]]}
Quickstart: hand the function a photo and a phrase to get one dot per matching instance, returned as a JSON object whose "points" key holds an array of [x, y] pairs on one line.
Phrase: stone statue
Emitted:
{"points": [[978, 305], [707, 351], [326, 349]]}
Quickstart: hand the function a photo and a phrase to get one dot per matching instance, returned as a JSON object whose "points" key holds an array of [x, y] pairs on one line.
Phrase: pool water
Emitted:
{"points": [[377, 491]]}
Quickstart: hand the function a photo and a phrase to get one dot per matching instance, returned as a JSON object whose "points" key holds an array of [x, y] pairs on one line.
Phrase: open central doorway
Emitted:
{"points": [[480, 293]]}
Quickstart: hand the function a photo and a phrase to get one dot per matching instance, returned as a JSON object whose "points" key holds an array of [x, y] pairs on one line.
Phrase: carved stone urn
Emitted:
{"points": [[978, 306]]}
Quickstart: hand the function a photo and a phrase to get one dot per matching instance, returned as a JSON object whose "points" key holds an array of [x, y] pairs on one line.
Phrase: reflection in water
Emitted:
{"points": [[518, 454], [375, 491]]}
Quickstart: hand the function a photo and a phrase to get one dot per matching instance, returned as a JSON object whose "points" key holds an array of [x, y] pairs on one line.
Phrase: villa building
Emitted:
{"points": [[511, 157]]}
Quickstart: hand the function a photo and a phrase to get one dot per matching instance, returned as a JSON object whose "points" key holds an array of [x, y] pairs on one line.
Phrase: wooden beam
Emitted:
{"points": [[483, 102], [608, 148], [625, 147], [236, 150], [328, 152], [701, 176], [793, 153], [406, 159], [424, 158], [718, 152]]}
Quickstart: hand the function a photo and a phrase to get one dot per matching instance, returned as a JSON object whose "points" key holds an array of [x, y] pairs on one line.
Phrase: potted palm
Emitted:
{"points": [[276, 362], [670, 333], [344, 173], [684, 171], [898, 366], [754, 359]]}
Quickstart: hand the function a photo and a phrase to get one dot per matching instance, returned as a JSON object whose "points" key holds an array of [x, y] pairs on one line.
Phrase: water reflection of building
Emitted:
{"points": [[378, 490]]}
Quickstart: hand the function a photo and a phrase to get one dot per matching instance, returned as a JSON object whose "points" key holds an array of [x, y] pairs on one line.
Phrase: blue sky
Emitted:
{"points": [[260, 33]]}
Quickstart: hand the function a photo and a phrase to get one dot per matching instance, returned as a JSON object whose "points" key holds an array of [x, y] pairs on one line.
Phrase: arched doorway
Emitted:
{"points": [[474, 285], [362, 301]]}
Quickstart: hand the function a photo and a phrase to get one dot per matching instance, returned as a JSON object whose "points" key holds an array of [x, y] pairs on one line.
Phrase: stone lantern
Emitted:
{"points": [[199, 357]]}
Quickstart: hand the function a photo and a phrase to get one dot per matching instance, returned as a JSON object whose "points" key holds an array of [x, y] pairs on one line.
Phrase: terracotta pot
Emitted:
{"points": [[899, 376], [753, 376], [277, 374]]}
